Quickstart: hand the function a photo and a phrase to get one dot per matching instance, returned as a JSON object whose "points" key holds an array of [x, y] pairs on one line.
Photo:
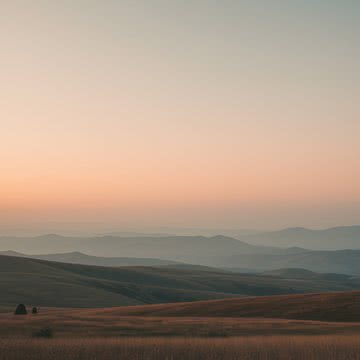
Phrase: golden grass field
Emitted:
{"points": [[108, 323], [103, 334], [328, 347], [329, 306], [149, 332]]}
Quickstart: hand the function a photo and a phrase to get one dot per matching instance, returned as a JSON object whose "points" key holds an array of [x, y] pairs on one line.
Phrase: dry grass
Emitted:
{"points": [[107, 323], [335, 306], [105, 335], [247, 348]]}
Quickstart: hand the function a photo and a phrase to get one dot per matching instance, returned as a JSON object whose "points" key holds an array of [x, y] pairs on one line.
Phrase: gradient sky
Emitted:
{"points": [[118, 114]]}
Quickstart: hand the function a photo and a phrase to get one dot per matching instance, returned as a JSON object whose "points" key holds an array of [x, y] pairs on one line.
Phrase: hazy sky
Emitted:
{"points": [[179, 113]]}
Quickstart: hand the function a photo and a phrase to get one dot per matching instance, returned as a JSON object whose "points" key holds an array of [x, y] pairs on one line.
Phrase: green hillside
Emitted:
{"points": [[47, 283]]}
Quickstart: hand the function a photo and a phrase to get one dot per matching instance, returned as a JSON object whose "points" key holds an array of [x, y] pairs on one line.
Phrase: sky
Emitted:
{"points": [[151, 113]]}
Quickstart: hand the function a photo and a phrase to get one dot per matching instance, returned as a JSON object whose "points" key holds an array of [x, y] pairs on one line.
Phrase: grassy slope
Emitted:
{"points": [[47, 283], [337, 306], [333, 313], [56, 284], [331, 347], [97, 323]]}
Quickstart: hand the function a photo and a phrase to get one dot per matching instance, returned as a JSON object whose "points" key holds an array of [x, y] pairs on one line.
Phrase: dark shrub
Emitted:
{"points": [[20, 310], [34, 310], [44, 333]]}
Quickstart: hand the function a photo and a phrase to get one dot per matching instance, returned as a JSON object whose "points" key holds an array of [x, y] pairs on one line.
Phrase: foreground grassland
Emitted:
{"points": [[107, 334], [213, 330], [69, 323], [299, 347]]}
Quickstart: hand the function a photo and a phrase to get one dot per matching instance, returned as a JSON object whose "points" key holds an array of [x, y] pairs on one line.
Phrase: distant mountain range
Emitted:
{"points": [[193, 249], [77, 257], [250, 254], [337, 238], [341, 261]]}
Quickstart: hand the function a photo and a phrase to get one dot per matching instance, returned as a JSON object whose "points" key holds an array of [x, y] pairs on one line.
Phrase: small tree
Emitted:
{"points": [[34, 310], [20, 310]]}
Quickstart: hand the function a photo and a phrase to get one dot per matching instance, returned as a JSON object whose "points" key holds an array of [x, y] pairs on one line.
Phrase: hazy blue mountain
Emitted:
{"points": [[303, 274], [77, 257], [216, 251], [337, 238], [193, 249], [340, 261]]}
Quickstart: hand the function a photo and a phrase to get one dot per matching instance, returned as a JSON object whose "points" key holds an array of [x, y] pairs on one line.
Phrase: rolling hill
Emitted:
{"points": [[337, 306], [340, 261], [76, 257], [48, 283], [295, 273]]}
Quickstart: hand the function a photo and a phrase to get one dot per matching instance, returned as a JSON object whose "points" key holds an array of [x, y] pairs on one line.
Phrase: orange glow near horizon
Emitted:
{"points": [[124, 115]]}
